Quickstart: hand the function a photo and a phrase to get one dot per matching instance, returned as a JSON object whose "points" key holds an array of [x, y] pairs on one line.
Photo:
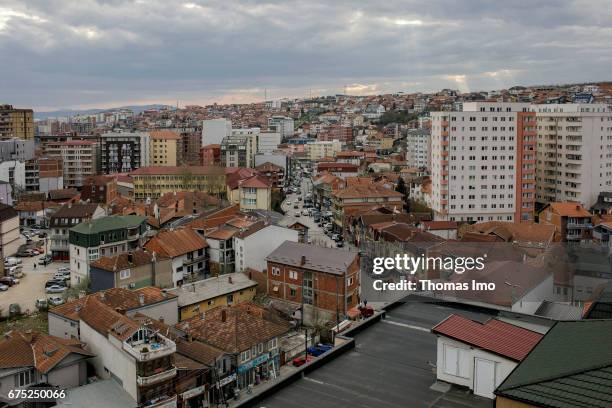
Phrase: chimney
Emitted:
{"points": [[141, 299], [303, 260], [101, 295], [130, 257], [223, 315], [578, 207]]}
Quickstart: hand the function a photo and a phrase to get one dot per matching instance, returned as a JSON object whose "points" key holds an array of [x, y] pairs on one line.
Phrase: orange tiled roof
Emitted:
{"points": [[569, 209], [176, 242]]}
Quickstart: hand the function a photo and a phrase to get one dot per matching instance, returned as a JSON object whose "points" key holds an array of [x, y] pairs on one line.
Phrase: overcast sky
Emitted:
{"points": [[87, 53]]}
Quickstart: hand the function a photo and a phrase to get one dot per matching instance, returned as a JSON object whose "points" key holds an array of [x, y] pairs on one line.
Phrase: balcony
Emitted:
{"points": [[155, 378], [577, 225], [196, 259], [153, 346], [166, 402]]}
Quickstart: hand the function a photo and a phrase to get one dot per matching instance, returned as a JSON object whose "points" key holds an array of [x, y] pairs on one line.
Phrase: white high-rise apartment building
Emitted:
{"points": [[282, 125], [214, 130], [483, 162], [417, 148], [574, 152]]}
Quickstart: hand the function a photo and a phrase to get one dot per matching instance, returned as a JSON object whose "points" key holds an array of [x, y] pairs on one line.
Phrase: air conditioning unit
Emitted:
{"points": [[132, 285]]}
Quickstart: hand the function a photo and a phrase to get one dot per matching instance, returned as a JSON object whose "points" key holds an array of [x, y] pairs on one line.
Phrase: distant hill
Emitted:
{"points": [[73, 112]]}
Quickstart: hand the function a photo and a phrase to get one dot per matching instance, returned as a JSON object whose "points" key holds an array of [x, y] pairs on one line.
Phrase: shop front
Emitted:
{"points": [[259, 369], [194, 398]]}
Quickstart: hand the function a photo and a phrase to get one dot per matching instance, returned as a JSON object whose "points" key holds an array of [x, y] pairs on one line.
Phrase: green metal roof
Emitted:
{"points": [[110, 223], [570, 367]]}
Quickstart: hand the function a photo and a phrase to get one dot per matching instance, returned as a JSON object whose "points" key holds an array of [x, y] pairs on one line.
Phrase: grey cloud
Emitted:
{"points": [[69, 54]]}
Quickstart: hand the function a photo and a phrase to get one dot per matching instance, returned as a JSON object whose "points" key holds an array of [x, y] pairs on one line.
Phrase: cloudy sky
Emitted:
{"points": [[104, 53]]}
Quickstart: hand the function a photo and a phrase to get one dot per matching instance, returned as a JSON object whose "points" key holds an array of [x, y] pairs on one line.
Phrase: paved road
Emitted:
{"points": [[30, 287], [393, 365]]}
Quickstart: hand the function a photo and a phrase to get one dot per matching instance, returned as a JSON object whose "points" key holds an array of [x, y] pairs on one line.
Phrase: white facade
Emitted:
{"points": [[268, 142], [479, 370], [214, 130], [574, 152], [474, 160], [282, 125], [251, 251], [417, 148], [320, 149], [13, 172]]}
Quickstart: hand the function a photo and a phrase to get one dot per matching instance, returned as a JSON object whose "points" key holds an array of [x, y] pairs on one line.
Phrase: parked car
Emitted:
{"points": [[289, 202], [11, 261], [55, 289], [14, 309], [297, 214], [42, 235], [305, 212], [295, 207], [41, 304], [56, 300], [63, 269], [319, 349], [339, 244], [52, 282], [9, 281], [301, 360], [45, 260]]}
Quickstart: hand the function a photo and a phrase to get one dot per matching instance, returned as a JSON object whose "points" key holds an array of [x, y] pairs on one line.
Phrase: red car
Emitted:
{"points": [[301, 360]]}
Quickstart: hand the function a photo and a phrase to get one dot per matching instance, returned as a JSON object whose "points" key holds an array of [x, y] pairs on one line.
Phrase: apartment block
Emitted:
{"points": [[81, 158], [165, 148], [282, 125], [122, 152], [16, 149], [236, 151], [152, 182], [17, 123], [318, 150], [574, 152], [418, 148], [65, 218], [214, 130], [483, 162], [267, 142]]}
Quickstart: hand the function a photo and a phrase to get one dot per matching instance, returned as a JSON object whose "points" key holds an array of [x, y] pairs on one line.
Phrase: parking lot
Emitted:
{"points": [[31, 286], [392, 365]]}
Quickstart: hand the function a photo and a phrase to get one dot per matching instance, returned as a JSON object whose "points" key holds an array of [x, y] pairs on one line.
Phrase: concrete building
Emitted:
{"points": [[273, 173], [17, 123], [6, 193], [483, 162], [65, 218], [153, 182], [210, 155], [255, 193], [105, 236], [572, 222], [13, 172], [9, 231], [81, 160], [267, 142], [122, 152], [282, 125], [165, 148], [574, 152], [253, 244], [214, 130], [318, 150], [16, 149], [236, 151], [44, 174], [99, 189], [418, 148]]}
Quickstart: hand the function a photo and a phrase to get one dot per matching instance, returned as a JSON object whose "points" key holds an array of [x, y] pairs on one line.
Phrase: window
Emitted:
{"points": [[275, 271], [456, 361], [245, 356], [292, 292], [124, 274], [25, 378], [350, 281], [293, 275], [230, 299], [272, 344]]}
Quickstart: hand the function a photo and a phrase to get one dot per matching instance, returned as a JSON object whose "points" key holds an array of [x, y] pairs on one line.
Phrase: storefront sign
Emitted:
{"points": [[226, 380], [254, 362], [193, 392]]}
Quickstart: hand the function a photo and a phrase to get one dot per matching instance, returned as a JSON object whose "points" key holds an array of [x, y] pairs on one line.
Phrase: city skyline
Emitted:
{"points": [[104, 54]]}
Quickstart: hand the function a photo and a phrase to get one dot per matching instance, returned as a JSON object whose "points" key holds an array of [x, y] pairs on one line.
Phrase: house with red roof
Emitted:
{"points": [[478, 355]]}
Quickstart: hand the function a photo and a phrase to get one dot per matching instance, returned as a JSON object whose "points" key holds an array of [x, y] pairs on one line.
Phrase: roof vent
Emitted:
{"points": [[303, 260], [141, 299]]}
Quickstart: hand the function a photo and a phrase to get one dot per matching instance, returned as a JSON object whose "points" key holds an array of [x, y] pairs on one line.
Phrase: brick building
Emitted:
{"points": [[99, 189], [324, 280]]}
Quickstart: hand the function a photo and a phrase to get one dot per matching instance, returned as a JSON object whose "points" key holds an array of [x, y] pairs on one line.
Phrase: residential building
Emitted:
{"points": [[571, 221], [105, 236], [255, 193], [156, 303], [165, 148], [472, 355], [122, 152], [210, 155], [273, 173], [6, 193], [44, 174], [282, 125], [17, 123], [418, 147], [65, 218], [324, 280], [131, 270], [203, 295], [574, 162], [563, 370], [13, 172], [215, 130], [135, 355], [189, 147], [336, 132], [318, 150], [236, 151], [267, 142], [359, 197], [187, 250], [81, 160], [254, 243], [29, 359], [342, 170], [176, 205], [31, 213], [99, 189], [483, 162], [16, 149], [152, 182], [9, 231], [277, 158], [247, 333]]}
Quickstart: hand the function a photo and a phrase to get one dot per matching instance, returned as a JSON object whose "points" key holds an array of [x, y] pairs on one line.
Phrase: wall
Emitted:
{"points": [[502, 368], [244, 295], [501, 402], [251, 252], [69, 373], [10, 236], [62, 327], [167, 310]]}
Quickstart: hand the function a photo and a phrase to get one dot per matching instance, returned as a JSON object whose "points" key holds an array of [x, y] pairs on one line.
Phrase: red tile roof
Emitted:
{"points": [[175, 243], [498, 337], [169, 170], [164, 134], [255, 182]]}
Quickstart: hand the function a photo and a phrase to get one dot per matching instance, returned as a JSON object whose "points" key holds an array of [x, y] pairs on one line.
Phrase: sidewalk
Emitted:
{"points": [[285, 371]]}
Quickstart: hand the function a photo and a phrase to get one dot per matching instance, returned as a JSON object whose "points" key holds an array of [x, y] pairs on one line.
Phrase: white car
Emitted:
{"points": [[63, 269], [56, 289], [56, 300]]}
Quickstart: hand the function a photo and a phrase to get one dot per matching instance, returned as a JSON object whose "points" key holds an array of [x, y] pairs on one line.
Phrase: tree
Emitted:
{"points": [[402, 188]]}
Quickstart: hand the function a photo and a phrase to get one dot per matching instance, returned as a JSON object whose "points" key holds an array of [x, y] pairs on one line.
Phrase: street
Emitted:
{"points": [[31, 286]]}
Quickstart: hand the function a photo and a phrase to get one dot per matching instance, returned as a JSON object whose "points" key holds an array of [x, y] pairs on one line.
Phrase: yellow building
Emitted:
{"points": [[17, 123], [223, 290], [165, 148], [154, 181]]}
